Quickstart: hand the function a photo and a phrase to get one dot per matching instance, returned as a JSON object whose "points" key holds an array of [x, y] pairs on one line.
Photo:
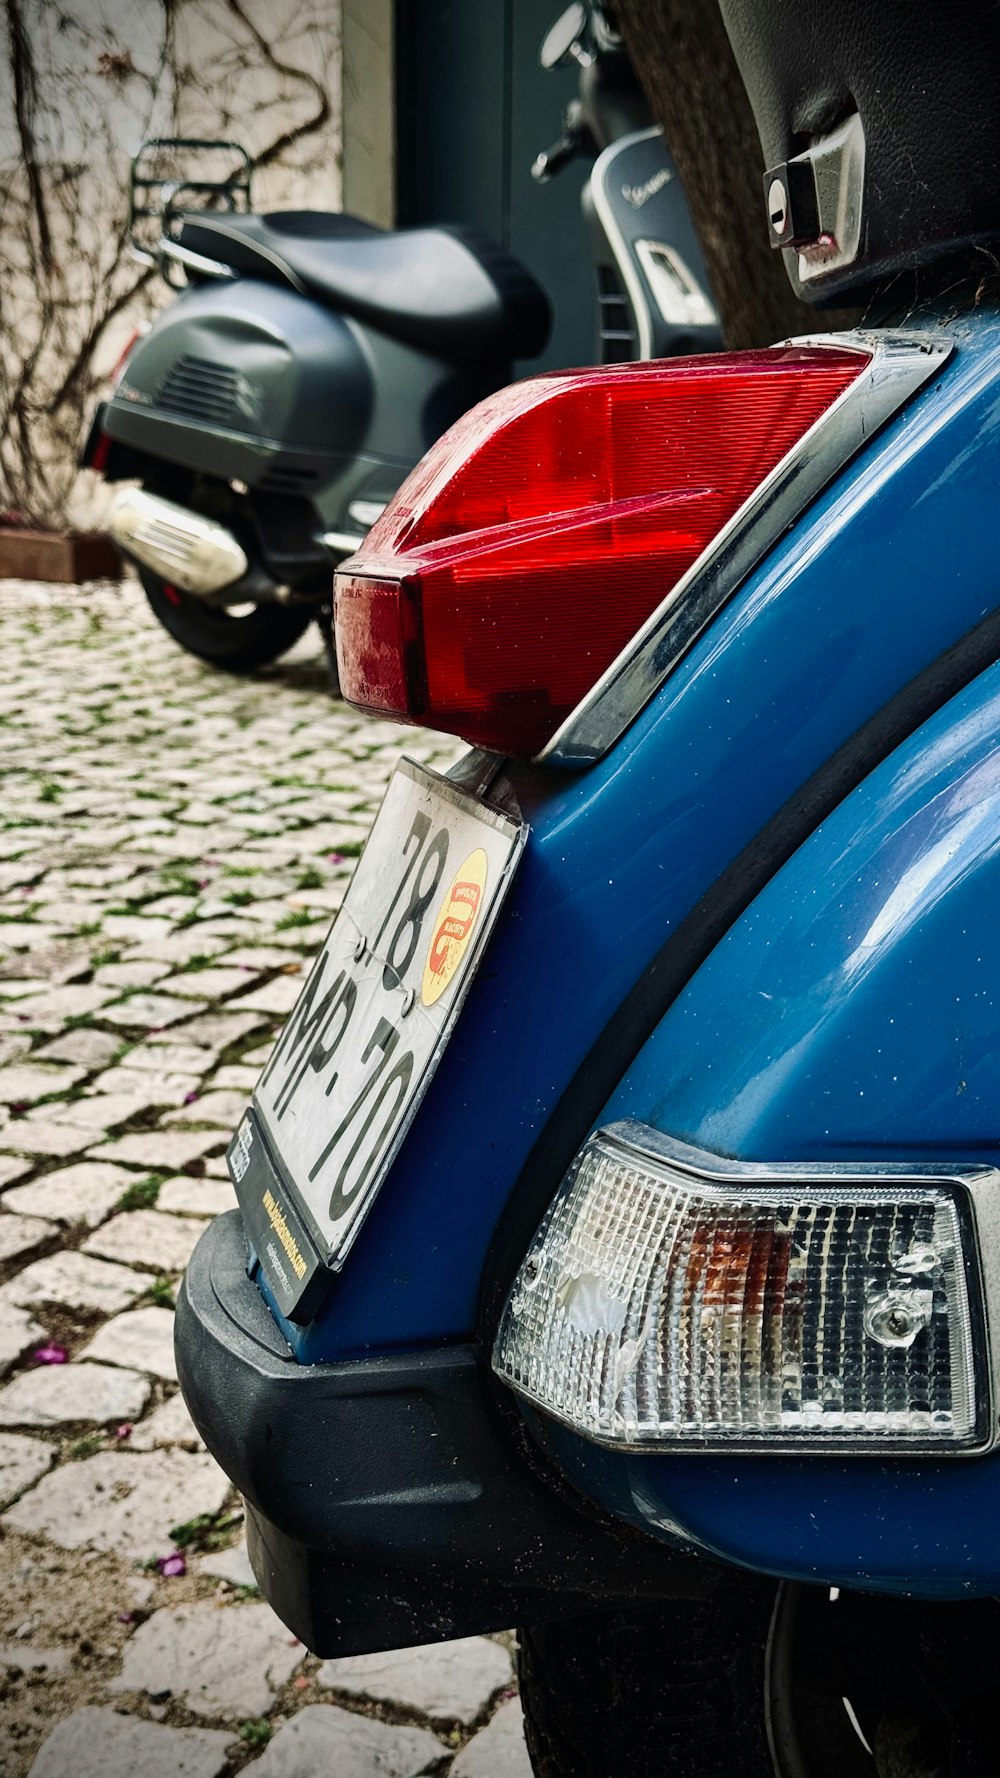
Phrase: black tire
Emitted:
{"points": [[236, 642], [766, 1680], [667, 1691]]}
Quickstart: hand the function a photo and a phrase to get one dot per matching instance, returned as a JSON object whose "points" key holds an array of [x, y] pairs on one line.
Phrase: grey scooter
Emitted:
{"points": [[311, 358]]}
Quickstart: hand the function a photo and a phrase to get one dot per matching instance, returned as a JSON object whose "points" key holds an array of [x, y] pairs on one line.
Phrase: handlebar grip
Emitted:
{"points": [[551, 161]]}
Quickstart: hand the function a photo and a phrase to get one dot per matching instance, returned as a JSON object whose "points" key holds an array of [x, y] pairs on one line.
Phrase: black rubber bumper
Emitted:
{"points": [[387, 1503]]}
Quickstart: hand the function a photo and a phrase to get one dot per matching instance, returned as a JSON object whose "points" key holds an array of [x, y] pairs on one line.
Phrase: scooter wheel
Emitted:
{"points": [[754, 1682], [236, 641], [666, 1691]]}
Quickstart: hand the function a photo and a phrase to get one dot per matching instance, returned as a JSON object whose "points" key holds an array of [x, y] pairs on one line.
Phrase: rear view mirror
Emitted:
{"points": [[561, 39]]}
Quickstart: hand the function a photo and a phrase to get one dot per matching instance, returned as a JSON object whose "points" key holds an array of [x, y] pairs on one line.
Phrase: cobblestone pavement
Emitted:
{"points": [[173, 844]]}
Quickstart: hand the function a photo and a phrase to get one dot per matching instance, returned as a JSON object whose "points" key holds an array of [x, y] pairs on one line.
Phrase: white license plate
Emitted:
{"points": [[374, 1016]]}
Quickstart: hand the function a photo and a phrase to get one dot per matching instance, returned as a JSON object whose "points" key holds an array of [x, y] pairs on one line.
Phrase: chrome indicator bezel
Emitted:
{"points": [[973, 1188]]}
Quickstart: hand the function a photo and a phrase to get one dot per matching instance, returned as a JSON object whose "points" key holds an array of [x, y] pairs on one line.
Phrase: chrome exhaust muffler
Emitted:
{"points": [[191, 552]]}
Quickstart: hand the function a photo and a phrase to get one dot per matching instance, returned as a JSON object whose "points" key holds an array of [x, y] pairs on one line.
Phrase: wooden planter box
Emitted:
{"points": [[48, 555]]}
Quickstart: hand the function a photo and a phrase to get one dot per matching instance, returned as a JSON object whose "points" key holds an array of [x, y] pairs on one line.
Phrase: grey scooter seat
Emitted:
{"points": [[447, 291]]}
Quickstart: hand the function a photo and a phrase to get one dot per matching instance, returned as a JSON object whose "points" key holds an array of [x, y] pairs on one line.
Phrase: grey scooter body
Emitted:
{"points": [[312, 412], [311, 361], [653, 290]]}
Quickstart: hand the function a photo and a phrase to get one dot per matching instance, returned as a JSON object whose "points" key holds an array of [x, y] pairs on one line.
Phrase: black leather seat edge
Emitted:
{"points": [[448, 291], [922, 79]]}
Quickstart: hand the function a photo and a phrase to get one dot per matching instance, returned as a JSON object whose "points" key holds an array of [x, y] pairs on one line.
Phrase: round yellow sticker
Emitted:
{"points": [[453, 926]]}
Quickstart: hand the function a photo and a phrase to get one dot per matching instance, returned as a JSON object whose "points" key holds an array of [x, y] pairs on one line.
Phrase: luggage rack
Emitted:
{"points": [[161, 193]]}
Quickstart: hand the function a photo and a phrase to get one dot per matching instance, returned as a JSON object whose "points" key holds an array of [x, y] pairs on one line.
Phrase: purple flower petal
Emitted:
{"points": [[189, 1098], [335, 857], [173, 1566], [124, 1430], [51, 1354]]}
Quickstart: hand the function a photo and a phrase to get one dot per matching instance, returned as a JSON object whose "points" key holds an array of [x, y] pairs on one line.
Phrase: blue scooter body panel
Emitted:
{"points": [[888, 569], [853, 1012]]}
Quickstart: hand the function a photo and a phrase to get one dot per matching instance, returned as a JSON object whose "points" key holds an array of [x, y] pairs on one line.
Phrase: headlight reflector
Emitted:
{"points": [[670, 1299]]}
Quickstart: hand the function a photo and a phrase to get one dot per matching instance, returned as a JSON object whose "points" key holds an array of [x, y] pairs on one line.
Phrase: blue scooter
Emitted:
{"points": [[619, 1243]]}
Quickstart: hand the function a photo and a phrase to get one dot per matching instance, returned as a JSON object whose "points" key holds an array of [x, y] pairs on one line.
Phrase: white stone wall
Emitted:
{"points": [[104, 74]]}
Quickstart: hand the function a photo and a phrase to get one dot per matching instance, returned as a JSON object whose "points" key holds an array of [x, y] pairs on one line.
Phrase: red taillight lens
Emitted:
{"points": [[538, 535]]}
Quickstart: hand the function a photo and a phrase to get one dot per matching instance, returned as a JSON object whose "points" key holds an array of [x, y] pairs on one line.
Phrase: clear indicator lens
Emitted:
{"points": [[662, 1308]]}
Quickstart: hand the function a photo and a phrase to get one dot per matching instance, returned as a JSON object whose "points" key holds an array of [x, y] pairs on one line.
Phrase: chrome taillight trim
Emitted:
{"points": [[900, 364], [976, 1188]]}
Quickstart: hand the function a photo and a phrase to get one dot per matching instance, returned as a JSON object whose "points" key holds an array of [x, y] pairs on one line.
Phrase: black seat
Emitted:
{"points": [[922, 80], [446, 290]]}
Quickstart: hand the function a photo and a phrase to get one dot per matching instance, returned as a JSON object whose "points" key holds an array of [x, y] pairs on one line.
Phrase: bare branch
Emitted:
{"points": [[80, 363], [88, 83], [297, 132], [22, 68]]}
